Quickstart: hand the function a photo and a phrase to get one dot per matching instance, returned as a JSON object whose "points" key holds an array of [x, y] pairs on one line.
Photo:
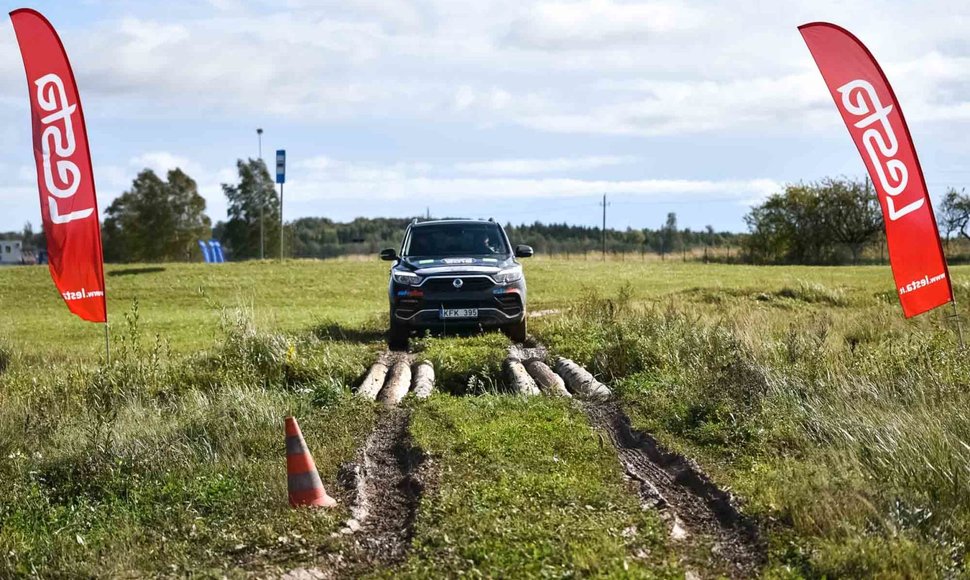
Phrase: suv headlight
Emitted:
{"points": [[406, 278], [509, 276]]}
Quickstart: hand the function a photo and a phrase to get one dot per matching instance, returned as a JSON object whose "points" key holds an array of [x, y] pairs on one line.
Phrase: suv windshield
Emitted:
{"points": [[456, 239]]}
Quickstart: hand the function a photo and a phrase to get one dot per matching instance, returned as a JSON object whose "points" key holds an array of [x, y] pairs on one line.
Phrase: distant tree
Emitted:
{"points": [[814, 223], [669, 236], [255, 194], [156, 220], [955, 213], [29, 237], [852, 213], [318, 237], [772, 229]]}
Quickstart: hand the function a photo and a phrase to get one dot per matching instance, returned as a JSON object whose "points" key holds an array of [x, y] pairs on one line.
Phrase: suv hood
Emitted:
{"points": [[431, 266]]}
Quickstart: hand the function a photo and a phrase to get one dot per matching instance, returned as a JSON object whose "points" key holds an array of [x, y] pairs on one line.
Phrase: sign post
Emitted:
{"points": [[281, 179]]}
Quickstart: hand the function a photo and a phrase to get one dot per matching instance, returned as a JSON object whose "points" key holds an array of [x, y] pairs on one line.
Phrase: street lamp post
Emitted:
{"points": [[259, 138]]}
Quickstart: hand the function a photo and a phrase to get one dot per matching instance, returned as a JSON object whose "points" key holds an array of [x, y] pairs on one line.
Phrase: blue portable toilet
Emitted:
{"points": [[217, 255], [206, 252]]}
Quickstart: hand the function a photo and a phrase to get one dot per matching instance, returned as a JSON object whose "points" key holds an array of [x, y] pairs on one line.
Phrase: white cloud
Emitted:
{"points": [[599, 23], [329, 169], [535, 166], [427, 189], [325, 178], [446, 80], [557, 66], [326, 167], [162, 161], [668, 108]]}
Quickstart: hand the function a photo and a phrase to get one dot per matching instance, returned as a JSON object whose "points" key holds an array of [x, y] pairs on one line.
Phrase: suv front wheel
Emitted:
{"points": [[397, 336], [516, 332]]}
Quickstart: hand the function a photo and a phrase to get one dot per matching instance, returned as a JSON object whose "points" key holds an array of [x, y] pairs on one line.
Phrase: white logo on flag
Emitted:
{"points": [[52, 98], [881, 146]]}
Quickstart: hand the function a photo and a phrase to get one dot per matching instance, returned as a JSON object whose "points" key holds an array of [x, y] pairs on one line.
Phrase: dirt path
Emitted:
{"points": [[389, 489], [386, 483], [703, 517]]}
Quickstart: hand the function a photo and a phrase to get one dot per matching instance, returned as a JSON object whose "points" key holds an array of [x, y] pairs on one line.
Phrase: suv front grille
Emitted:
{"points": [[469, 284]]}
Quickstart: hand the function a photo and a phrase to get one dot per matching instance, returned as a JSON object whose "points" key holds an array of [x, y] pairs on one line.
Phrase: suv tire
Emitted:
{"points": [[397, 336], [516, 332]]}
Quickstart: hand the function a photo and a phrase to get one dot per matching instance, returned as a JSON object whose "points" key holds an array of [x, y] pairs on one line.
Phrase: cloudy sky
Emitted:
{"points": [[515, 109]]}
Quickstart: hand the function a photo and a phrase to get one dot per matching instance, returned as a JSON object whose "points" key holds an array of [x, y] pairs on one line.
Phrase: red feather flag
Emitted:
{"points": [[875, 121], [65, 179]]}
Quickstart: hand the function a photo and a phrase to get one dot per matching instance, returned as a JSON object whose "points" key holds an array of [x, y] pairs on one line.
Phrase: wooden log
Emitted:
{"points": [[520, 379], [373, 381], [423, 379], [549, 382], [580, 381], [397, 385]]}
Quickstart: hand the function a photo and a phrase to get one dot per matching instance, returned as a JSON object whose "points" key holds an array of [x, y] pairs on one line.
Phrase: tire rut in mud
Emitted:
{"points": [[387, 483], [698, 512]]}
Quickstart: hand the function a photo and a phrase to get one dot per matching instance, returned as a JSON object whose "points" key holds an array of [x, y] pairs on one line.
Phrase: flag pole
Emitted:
{"points": [[107, 347], [956, 317]]}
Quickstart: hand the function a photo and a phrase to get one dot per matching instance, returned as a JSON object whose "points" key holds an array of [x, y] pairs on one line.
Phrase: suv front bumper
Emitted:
{"points": [[416, 307]]}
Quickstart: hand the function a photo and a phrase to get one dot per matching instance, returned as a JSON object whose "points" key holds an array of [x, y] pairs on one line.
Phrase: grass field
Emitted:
{"points": [[843, 428]]}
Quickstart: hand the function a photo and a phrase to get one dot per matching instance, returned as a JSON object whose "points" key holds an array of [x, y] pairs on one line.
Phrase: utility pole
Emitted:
{"points": [[259, 138], [604, 204]]}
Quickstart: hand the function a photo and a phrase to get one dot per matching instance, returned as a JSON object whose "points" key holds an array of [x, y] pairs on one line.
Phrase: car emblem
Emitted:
{"points": [[457, 283]]}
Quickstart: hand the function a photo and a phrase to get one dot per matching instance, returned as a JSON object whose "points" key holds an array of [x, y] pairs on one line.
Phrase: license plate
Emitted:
{"points": [[459, 313]]}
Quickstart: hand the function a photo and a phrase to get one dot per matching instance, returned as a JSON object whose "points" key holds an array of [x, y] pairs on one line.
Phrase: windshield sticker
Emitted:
{"points": [[489, 260], [459, 260], [426, 261]]}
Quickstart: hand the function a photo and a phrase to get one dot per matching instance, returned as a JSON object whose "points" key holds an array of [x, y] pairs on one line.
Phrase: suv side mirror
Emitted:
{"points": [[388, 254], [523, 251]]}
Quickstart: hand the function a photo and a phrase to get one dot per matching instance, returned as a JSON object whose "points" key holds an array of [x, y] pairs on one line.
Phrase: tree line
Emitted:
{"points": [[833, 221]]}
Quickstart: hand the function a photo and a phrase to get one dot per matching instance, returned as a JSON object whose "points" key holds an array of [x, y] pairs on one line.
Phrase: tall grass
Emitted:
{"points": [[5, 355], [847, 432], [166, 463], [469, 365]]}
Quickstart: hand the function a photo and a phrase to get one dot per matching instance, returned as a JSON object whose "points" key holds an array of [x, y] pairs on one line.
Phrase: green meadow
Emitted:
{"points": [[842, 428]]}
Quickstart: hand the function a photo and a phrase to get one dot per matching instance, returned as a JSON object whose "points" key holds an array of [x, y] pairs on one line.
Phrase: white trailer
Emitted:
{"points": [[11, 252]]}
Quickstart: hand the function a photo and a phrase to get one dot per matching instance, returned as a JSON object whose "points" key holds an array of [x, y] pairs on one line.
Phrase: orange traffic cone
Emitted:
{"points": [[302, 478]]}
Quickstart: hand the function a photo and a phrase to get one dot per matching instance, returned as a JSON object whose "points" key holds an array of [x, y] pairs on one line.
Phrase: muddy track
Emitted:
{"points": [[697, 511], [387, 484]]}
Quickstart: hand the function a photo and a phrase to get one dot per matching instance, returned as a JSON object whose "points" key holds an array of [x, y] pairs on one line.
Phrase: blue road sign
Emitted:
{"points": [[281, 166]]}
